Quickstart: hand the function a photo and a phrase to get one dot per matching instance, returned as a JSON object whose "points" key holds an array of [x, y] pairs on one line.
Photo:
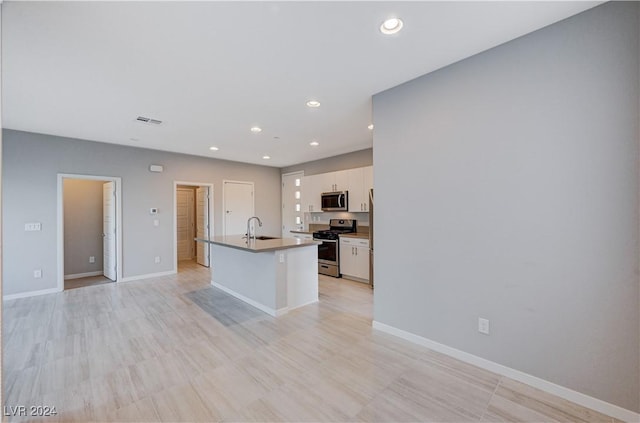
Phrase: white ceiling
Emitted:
{"points": [[211, 70]]}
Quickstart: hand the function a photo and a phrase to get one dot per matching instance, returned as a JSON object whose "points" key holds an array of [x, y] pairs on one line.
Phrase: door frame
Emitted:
{"points": [[60, 227], [224, 207], [175, 216]]}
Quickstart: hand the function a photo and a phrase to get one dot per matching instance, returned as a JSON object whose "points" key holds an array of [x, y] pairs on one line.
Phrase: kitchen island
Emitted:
{"points": [[274, 275]]}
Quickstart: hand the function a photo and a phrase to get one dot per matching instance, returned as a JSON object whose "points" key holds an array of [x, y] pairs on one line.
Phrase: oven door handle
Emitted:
{"points": [[326, 240]]}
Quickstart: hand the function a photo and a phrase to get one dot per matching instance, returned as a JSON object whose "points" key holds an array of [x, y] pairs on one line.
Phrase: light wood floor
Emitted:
{"points": [[176, 349], [88, 281]]}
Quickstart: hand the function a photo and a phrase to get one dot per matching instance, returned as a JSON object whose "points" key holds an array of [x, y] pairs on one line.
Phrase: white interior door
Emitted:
{"points": [[238, 204], [109, 230], [202, 225], [185, 223], [292, 203]]}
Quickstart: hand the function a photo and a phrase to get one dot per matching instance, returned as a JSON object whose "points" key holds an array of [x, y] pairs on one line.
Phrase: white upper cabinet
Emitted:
{"points": [[312, 188], [360, 182], [341, 180], [356, 190], [333, 181], [357, 182], [368, 179]]}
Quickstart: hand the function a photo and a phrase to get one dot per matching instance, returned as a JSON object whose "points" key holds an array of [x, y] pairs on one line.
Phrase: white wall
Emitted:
{"points": [[517, 172], [32, 162], [83, 226]]}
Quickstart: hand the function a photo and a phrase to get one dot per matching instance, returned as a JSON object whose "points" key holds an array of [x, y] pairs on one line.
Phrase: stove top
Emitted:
{"points": [[336, 227]]}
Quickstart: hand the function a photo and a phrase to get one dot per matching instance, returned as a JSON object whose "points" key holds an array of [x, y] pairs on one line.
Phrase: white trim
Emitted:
{"points": [[83, 275], [550, 387], [175, 216], [30, 294], [148, 276], [224, 208], [60, 218], [293, 173], [259, 306]]}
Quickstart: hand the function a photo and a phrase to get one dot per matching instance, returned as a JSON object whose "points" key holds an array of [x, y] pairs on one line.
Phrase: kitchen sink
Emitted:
{"points": [[264, 238]]}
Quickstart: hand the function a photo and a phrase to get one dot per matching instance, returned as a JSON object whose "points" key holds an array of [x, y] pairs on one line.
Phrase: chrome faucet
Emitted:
{"points": [[249, 227]]}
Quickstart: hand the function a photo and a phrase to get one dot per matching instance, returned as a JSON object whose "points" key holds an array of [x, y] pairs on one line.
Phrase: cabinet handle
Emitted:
{"points": [[356, 251]]}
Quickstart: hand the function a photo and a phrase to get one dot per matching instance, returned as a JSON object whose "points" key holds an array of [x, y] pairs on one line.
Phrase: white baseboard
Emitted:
{"points": [[30, 294], [148, 276], [259, 306], [83, 275], [544, 385], [302, 305]]}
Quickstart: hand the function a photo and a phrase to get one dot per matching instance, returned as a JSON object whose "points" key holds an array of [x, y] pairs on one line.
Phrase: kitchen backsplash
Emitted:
{"points": [[320, 221]]}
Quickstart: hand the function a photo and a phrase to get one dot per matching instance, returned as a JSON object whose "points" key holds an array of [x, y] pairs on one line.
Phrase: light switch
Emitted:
{"points": [[156, 222]]}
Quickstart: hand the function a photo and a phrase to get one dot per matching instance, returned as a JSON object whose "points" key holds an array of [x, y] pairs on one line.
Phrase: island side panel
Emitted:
{"points": [[248, 276], [302, 276]]}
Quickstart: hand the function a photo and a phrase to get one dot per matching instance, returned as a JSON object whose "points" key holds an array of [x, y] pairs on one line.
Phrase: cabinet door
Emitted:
{"points": [[356, 191], [341, 180], [348, 264], [311, 201], [367, 184], [361, 268], [325, 182]]}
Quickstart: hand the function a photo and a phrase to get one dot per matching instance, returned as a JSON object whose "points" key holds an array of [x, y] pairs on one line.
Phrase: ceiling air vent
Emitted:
{"points": [[148, 121]]}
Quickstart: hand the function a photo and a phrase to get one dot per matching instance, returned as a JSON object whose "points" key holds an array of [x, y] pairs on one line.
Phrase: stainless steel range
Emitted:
{"points": [[329, 250]]}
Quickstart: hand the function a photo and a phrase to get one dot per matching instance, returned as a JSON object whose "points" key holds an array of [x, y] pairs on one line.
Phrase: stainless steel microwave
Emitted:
{"points": [[335, 201]]}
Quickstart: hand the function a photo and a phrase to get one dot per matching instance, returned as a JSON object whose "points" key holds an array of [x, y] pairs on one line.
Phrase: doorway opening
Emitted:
{"points": [[193, 218], [89, 230]]}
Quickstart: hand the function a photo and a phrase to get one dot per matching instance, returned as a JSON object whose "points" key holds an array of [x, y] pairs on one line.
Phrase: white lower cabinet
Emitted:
{"points": [[354, 258]]}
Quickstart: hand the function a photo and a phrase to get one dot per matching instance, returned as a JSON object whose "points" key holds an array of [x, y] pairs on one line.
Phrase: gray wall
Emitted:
{"points": [[518, 169], [352, 160], [82, 225], [32, 161]]}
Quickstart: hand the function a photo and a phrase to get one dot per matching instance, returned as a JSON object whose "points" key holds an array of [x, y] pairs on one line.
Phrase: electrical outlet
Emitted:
{"points": [[92, 259], [157, 259], [37, 274], [281, 258], [483, 325], [35, 226], [156, 222]]}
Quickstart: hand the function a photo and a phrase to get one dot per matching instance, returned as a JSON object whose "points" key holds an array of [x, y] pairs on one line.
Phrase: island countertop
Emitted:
{"points": [[258, 245]]}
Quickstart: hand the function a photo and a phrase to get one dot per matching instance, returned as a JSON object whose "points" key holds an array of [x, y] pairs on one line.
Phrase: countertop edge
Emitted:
{"points": [[259, 249]]}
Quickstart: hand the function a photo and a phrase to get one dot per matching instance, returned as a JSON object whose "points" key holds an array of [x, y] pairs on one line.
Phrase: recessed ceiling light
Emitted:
{"points": [[213, 148], [391, 26], [314, 143], [370, 126], [313, 103], [266, 157], [256, 129]]}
